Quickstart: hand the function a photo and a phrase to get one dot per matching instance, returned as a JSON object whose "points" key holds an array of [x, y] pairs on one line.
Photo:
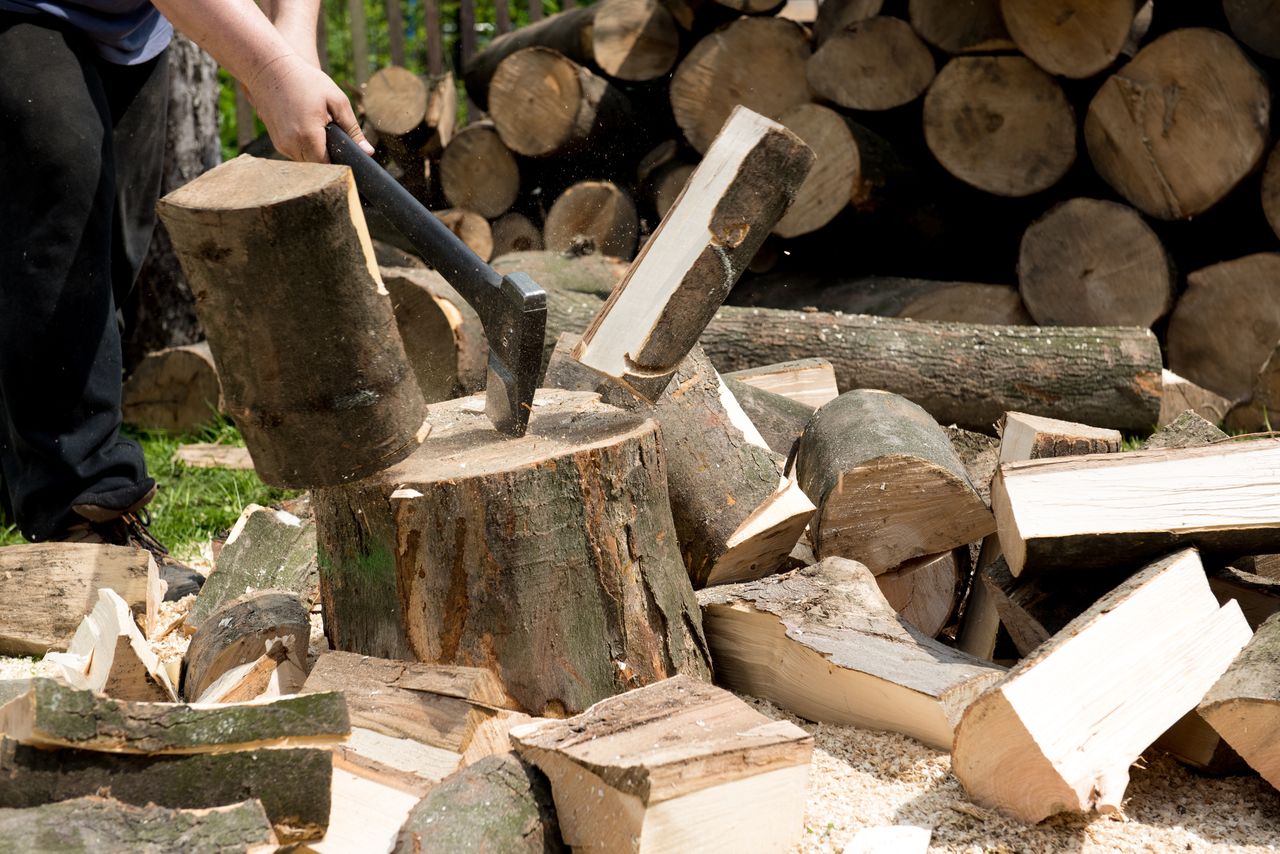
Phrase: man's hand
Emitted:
{"points": [[296, 100]]}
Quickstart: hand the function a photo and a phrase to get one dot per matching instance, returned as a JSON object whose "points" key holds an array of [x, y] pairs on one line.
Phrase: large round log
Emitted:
{"points": [[596, 211], [471, 228], [1256, 23], [1089, 262], [478, 173], [1271, 191], [515, 232], [876, 64], [634, 39], [1000, 124], [175, 390], [568, 33], [1175, 129], [973, 26], [394, 101], [835, 15], [1074, 38]]}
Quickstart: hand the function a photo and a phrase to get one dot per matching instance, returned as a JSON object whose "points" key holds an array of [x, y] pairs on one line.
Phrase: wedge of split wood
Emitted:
{"points": [[1244, 705]]}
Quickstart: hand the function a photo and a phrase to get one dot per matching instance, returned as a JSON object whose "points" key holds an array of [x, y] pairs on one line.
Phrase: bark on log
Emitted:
{"points": [[1000, 124], [568, 33], [779, 419], [597, 213], [1030, 437], [634, 40], [176, 390], [1033, 610], [925, 591], [336, 408], [1189, 97], [1255, 22], [410, 558], [478, 173], [1181, 395], [972, 27], [1244, 705], [835, 15], [240, 632], [1188, 430], [443, 338], [875, 64], [515, 232], [108, 654], [1073, 38], [471, 228]]}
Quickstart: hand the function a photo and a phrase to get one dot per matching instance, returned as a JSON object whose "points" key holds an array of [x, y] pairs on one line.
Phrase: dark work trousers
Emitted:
{"points": [[81, 154]]}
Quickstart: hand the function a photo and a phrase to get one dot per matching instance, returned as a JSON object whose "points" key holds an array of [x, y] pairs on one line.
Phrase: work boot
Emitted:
{"points": [[130, 529]]}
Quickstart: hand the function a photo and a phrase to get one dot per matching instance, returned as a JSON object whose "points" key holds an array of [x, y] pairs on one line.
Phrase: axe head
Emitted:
{"points": [[515, 320]]}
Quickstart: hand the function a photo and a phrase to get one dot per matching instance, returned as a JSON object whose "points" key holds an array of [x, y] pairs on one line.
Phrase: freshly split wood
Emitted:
{"points": [[261, 624], [443, 338], [108, 653], [811, 382], [1244, 705]]}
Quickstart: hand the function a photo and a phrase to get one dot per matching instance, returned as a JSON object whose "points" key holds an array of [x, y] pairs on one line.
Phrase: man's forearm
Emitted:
{"points": [[296, 21], [236, 32]]}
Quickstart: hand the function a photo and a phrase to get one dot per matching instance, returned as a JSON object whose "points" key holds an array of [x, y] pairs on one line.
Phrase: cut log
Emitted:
{"points": [[980, 455], [544, 104], [340, 407], [999, 123], [1130, 672], [1256, 415], [471, 228], [779, 420], [1139, 505], [497, 804], [835, 15], [686, 269], [1226, 324], [811, 382], [1244, 705], [713, 79], [1271, 191], [1073, 38], [45, 588], [926, 590], [1254, 22], [1190, 96], [108, 654], [1030, 437], [598, 213], [887, 482], [1193, 742], [634, 39], [874, 64], [662, 175], [272, 674], [568, 33], [292, 784], [676, 766], [410, 557], [443, 338], [1257, 595], [394, 102], [176, 390], [266, 550], [848, 657], [515, 232], [205, 455], [972, 27], [478, 173], [90, 825], [1181, 395], [239, 633], [1188, 430], [1090, 262], [365, 814], [1034, 609]]}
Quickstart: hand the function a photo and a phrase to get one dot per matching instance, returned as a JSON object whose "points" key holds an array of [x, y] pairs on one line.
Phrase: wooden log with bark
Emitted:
{"points": [[1072, 38], [1256, 415], [1188, 430], [671, 767], [109, 654], [410, 557], [779, 420], [176, 390], [849, 657], [810, 382], [1030, 437], [1180, 394], [413, 117], [1257, 595], [972, 27], [568, 33], [926, 590], [471, 228], [1254, 23], [1243, 706], [241, 632], [635, 40], [874, 64], [444, 340], [515, 232], [338, 407], [596, 213], [1190, 96], [834, 15], [478, 173], [1034, 609]]}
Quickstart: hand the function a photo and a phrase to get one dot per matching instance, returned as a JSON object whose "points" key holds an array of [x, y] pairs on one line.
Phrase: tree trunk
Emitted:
{"points": [[876, 64], [479, 173], [568, 33], [634, 39], [972, 27], [596, 213], [1072, 38]]}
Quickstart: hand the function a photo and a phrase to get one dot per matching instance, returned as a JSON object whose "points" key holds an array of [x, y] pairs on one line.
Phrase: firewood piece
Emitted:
{"points": [[875, 64], [1254, 23], [340, 407], [45, 589], [1257, 595], [713, 79], [398, 763], [1188, 430], [273, 674], [238, 633], [471, 228], [1180, 395], [1140, 505], [780, 420], [1030, 437], [598, 211], [686, 269], [365, 813], [1073, 38], [1267, 566], [972, 27], [835, 15], [980, 455], [544, 104], [811, 382], [266, 550], [292, 784], [635, 39], [109, 654], [497, 804], [478, 173], [1088, 262], [394, 101], [568, 33], [1000, 124], [176, 390], [850, 659], [925, 590], [1256, 415], [887, 482], [1034, 609], [674, 766], [1193, 742], [55, 715], [443, 338], [1191, 96], [91, 824], [515, 232], [1244, 705], [409, 557], [1021, 750], [209, 455]]}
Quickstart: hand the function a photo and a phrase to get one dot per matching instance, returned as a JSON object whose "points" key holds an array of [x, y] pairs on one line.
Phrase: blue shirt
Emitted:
{"points": [[126, 32]]}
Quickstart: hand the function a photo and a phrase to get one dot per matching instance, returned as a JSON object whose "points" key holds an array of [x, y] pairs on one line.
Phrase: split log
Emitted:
{"points": [[108, 654], [568, 33], [1257, 595], [875, 64], [266, 550], [835, 15], [999, 123], [444, 340], [1194, 743], [972, 27], [1131, 673], [1188, 430], [686, 269], [599, 212], [662, 175], [471, 228], [544, 104], [926, 590], [339, 407], [239, 633], [980, 455], [292, 784], [1030, 437], [209, 455], [1271, 191], [45, 588], [676, 766], [410, 557], [849, 658], [713, 79], [478, 173], [1226, 324], [176, 390], [497, 804], [811, 382], [635, 39], [1191, 96], [779, 420], [365, 814], [1254, 23], [1073, 38], [515, 232], [1256, 415], [91, 824], [887, 482], [1180, 395], [275, 673], [1033, 610], [1089, 262], [1244, 705]]}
